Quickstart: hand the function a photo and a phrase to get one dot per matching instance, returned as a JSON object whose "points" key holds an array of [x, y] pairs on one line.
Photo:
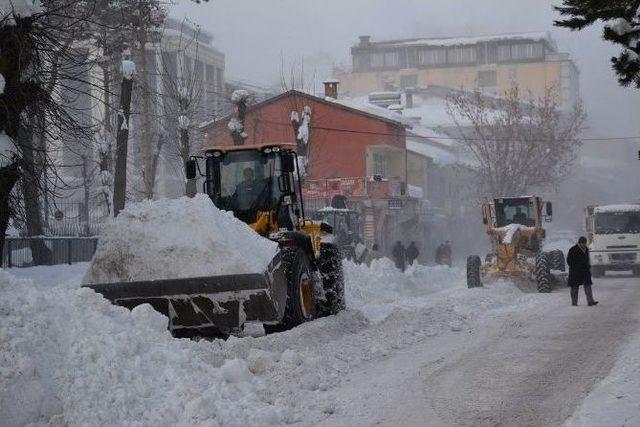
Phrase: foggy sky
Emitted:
{"points": [[256, 34]]}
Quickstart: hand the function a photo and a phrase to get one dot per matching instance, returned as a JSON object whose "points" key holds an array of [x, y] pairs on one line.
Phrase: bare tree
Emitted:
{"points": [[516, 143], [38, 65]]}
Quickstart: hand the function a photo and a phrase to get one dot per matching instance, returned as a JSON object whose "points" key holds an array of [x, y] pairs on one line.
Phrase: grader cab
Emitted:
{"points": [[515, 228]]}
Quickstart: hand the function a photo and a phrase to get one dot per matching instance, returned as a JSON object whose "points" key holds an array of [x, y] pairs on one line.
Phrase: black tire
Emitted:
{"points": [[300, 306], [332, 281], [473, 272], [556, 260], [542, 273]]}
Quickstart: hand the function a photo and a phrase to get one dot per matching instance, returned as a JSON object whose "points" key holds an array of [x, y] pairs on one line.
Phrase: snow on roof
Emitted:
{"points": [[455, 41], [362, 104], [431, 110], [334, 81], [422, 132], [439, 155], [617, 208]]}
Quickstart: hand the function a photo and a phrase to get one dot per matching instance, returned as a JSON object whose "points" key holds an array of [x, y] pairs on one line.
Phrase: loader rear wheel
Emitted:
{"points": [[300, 306], [473, 272], [557, 262], [542, 273], [332, 281]]}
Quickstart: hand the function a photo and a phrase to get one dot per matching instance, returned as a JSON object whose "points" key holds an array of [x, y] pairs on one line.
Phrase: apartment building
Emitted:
{"points": [[491, 63]]}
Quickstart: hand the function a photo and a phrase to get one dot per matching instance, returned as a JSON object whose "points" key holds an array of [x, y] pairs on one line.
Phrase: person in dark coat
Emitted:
{"points": [[412, 253], [580, 271], [399, 254]]}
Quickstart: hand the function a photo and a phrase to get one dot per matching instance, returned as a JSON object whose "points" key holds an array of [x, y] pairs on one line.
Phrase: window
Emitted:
{"points": [[379, 164], [384, 59], [391, 59], [526, 51], [360, 61], [504, 53], [408, 81], [462, 55], [432, 56], [487, 78]]}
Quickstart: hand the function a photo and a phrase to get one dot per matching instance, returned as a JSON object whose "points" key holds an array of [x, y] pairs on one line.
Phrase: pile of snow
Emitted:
{"points": [[70, 357], [185, 237], [379, 290], [510, 231]]}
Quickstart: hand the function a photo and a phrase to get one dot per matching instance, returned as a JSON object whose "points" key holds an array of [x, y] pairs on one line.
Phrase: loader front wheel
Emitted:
{"points": [[332, 281], [473, 272], [542, 273], [300, 306]]}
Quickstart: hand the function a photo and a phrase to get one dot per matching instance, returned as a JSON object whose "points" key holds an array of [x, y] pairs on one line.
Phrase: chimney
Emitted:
{"points": [[408, 97], [331, 88], [364, 40]]}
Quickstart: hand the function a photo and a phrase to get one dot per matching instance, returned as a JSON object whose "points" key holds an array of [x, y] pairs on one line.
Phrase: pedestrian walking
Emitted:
{"points": [[580, 272], [374, 254], [412, 253], [399, 255], [445, 257]]}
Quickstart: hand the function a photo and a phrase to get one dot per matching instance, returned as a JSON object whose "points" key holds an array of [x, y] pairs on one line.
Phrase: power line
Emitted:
{"points": [[366, 132]]}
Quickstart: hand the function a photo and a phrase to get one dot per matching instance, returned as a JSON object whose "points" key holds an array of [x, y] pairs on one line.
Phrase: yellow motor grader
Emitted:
{"points": [[515, 227], [260, 184]]}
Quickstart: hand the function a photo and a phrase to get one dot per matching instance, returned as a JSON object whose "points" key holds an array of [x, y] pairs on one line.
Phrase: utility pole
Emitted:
{"points": [[120, 175]]}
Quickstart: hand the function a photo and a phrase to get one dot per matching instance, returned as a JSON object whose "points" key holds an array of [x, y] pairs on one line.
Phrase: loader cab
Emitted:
{"points": [[255, 183], [518, 210]]}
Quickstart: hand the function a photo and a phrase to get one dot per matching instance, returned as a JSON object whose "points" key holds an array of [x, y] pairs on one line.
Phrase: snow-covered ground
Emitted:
{"points": [[69, 357], [614, 401]]}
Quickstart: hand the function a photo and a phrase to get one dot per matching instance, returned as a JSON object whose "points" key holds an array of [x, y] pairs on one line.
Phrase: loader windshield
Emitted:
{"points": [[248, 182], [515, 211]]}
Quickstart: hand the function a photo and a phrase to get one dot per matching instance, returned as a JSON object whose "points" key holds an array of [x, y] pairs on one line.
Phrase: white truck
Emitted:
{"points": [[614, 238]]}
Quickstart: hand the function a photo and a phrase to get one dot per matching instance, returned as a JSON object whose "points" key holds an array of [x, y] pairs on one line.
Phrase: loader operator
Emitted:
{"points": [[245, 196], [520, 217]]}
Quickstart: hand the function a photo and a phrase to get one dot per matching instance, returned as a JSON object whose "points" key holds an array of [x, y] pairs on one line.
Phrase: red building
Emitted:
{"points": [[347, 146]]}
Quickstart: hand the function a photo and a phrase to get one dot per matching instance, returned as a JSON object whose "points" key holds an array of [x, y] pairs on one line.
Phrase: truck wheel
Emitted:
{"points": [[300, 306], [557, 262], [473, 272], [332, 281], [542, 273], [597, 271]]}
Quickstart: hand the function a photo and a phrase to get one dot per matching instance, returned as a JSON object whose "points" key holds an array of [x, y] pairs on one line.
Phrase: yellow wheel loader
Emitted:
{"points": [[260, 184], [515, 227]]}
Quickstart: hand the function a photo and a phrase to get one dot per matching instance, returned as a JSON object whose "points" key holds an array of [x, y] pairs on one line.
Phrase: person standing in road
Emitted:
{"points": [[399, 254], [412, 253], [580, 272]]}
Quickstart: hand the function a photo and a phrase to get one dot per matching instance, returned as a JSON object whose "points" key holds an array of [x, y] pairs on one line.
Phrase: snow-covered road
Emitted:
{"points": [[412, 349], [518, 367]]}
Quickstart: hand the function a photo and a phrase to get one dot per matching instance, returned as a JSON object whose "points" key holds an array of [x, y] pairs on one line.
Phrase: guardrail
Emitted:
{"points": [[32, 251]]}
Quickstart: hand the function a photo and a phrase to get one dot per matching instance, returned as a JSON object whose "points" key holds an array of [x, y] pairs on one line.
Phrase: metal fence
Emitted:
{"points": [[20, 251]]}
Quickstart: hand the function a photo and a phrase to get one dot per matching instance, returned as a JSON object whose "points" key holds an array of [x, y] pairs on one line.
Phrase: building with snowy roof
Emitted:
{"points": [[492, 63]]}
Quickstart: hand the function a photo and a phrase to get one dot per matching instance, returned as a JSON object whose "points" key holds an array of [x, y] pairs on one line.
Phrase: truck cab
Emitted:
{"points": [[614, 238]]}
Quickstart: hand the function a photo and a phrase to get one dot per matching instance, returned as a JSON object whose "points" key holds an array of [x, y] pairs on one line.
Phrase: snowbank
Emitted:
{"points": [[186, 237], [70, 357]]}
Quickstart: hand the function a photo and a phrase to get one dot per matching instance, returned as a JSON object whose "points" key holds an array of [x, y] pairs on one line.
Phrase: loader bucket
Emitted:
{"points": [[222, 302]]}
